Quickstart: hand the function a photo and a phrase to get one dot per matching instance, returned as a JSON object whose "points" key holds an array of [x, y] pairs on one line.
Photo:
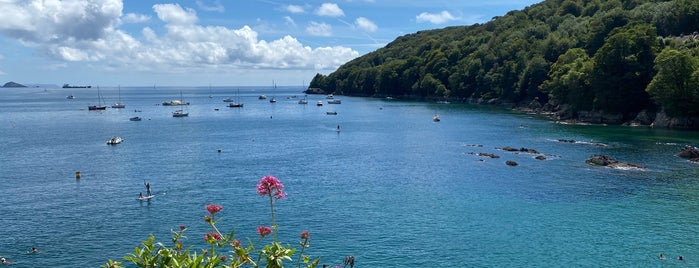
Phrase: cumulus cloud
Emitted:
{"points": [[37, 21], [87, 31], [319, 29], [330, 10], [366, 24], [174, 14], [135, 18], [295, 9], [435, 18]]}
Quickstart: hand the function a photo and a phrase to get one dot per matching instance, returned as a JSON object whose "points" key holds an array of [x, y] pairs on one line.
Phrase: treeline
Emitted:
{"points": [[574, 56]]}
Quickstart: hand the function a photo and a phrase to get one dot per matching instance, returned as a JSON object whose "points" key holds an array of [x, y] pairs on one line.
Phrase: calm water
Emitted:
{"points": [[393, 188]]}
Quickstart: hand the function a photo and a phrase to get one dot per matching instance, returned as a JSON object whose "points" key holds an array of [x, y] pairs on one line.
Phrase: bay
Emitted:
{"points": [[392, 188]]}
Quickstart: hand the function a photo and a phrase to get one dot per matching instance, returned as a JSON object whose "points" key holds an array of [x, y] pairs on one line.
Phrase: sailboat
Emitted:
{"points": [[304, 100], [99, 105], [180, 113], [119, 104], [236, 103], [274, 87]]}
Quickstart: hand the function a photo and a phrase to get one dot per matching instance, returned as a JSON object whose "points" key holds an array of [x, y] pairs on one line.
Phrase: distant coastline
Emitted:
{"points": [[71, 86]]}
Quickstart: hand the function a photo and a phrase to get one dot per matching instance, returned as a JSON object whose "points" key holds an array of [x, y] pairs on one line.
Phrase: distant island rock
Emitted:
{"points": [[13, 84]]}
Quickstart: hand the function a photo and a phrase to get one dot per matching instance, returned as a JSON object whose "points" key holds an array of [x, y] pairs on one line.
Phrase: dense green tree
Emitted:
{"points": [[586, 55], [569, 80], [623, 69], [673, 86]]}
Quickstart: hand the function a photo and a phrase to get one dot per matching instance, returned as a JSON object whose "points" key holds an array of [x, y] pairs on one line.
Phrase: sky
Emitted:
{"points": [[210, 42]]}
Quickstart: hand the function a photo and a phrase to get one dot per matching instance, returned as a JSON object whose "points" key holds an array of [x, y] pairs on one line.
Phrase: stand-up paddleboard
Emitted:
{"points": [[145, 197]]}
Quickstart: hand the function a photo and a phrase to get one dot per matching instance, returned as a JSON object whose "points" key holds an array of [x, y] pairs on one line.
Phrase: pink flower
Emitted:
{"points": [[263, 231], [305, 234], [212, 237], [268, 184], [213, 208]]}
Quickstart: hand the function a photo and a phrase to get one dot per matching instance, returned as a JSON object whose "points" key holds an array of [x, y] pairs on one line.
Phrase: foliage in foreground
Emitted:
{"points": [[224, 250]]}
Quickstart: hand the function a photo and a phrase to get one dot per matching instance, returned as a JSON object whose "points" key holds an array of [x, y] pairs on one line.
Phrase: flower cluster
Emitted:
{"points": [[263, 231], [268, 184], [272, 255], [213, 208]]}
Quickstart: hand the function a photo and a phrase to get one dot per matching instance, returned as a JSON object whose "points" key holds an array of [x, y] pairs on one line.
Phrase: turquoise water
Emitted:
{"points": [[393, 188]]}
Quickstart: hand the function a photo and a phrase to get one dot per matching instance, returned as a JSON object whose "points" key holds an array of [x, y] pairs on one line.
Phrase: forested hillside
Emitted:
{"points": [[603, 59]]}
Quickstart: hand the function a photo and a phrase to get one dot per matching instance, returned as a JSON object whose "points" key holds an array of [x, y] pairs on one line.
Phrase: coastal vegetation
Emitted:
{"points": [[616, 61], [225, 250]]}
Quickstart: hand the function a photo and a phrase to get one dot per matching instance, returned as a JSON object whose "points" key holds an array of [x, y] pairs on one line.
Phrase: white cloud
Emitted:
{"points": [[216, 6], [435, 18], [295, 9], [174, 14], [181, 45], [41, 21], [319, 29], [366, 24], [330, 10], [135, 18]]}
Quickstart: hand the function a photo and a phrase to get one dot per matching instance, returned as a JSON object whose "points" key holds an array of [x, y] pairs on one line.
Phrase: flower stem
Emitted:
{"points": [[274, 225]]}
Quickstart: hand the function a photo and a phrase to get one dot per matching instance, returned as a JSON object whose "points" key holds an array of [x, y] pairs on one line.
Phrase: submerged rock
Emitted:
{"points": [[511, 163], [489, 155]]}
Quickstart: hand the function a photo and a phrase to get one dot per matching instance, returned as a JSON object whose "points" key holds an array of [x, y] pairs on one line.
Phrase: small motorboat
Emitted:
{"points": [[115, 140], [436, 118], [319, 103], [135, 118], [331, 113]]}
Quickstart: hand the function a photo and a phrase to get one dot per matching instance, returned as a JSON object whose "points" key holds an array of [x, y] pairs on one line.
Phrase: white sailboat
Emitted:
{"points": [[119, 104], [180, 112], [274, 88]]}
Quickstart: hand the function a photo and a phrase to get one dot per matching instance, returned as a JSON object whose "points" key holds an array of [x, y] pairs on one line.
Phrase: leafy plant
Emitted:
{"points": [[271, 255]]}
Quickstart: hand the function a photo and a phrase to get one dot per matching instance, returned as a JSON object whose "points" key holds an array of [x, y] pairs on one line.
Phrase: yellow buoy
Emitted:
{"points": [[77, 174]]}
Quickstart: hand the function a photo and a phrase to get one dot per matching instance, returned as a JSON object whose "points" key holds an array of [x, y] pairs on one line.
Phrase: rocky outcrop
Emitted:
{"points": [[689, 152], [662, 120], [314, 90], [607, 161], [13, 84], [525, 150]]}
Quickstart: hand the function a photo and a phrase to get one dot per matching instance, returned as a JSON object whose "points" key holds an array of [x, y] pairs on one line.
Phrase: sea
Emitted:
{"points": [[379, 181]]}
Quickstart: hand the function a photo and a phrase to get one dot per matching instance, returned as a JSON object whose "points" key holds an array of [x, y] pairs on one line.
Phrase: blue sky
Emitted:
{"points": [[210, 42]]}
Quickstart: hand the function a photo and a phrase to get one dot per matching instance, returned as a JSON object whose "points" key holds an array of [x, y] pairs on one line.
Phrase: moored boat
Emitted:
{"points": [[180, 113], [114, 140]]}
